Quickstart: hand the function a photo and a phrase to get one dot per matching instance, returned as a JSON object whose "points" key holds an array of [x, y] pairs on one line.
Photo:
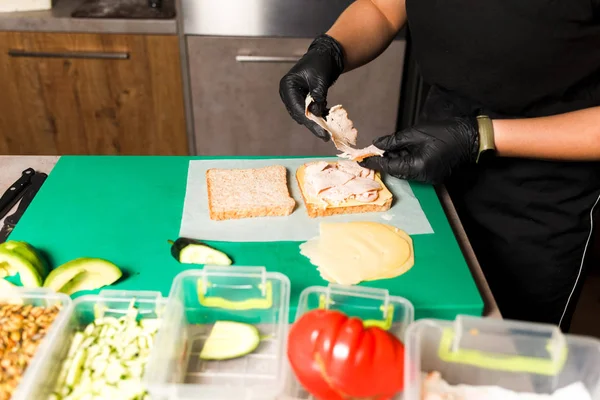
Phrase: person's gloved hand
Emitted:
{"points": [[427, 152], [314, 73]]}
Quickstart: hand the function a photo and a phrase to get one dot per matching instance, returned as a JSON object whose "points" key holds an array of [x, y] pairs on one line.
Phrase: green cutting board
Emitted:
{"points": [[125, 209]]}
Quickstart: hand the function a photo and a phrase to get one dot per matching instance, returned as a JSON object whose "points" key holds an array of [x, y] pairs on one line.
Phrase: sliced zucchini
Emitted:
{"points": [[191, 251], [229, 339]]}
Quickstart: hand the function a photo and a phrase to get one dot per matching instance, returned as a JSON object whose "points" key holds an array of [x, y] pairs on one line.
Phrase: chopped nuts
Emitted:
{"points": [[22, 328]]}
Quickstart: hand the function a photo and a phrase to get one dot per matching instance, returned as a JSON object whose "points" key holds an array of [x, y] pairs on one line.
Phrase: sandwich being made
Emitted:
{"points": [[342, 187], [342, 131], [248, 193]]}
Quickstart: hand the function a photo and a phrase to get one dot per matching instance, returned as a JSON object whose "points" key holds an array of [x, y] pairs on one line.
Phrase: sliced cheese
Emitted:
{"points": [[384, 194], [353, 252]]}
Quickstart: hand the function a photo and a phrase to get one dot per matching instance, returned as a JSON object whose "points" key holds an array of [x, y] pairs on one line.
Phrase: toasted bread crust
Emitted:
{"points": [[251, 211], [314, 211]]}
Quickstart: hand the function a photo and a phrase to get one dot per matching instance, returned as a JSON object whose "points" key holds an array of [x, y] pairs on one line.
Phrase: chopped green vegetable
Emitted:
{"points": [[229, 339], [107, 359], [191, 251], [82, 274]]}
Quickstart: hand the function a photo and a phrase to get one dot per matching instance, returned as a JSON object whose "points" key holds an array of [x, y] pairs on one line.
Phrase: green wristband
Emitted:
{"points": [[486, 135]]}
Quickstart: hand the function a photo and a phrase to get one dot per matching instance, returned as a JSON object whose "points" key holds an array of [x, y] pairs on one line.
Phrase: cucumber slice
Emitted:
{"points": [[229, 339], [190, 251], [202, 254]]}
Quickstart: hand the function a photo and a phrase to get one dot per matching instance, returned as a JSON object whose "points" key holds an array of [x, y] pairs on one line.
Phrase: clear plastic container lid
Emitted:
{"points": [[374, 306], [39, 297], [518, 356], [83, 311], [197, 300]]}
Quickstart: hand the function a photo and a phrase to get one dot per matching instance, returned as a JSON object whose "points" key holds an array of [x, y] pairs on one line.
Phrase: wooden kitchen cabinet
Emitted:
{"points": [[90, 94], [236, 104]]}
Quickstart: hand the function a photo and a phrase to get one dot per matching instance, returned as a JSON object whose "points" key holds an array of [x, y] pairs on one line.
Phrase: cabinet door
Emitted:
{"points": [[236, 104], [90, 94]]}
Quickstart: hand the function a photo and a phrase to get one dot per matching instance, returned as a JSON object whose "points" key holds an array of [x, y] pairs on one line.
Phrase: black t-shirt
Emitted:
{"points": [[517, 58], [528, 220]]}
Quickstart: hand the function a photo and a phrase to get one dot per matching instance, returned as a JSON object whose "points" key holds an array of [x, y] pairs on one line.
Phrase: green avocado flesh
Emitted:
{"points": [[12, 264], [29, 253], [82, 274], [6, 285], [21, 258]]}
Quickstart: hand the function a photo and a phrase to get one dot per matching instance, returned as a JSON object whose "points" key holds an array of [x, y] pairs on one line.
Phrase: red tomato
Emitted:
{"points": [[335, 357]]}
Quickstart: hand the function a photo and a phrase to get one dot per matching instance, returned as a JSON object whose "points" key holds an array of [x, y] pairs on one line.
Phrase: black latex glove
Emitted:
{"points": [[314, 73], [427, 152]]}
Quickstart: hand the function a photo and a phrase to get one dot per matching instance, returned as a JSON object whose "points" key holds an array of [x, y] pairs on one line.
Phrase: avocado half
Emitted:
{"points": [[21, 258], [82, 274]]}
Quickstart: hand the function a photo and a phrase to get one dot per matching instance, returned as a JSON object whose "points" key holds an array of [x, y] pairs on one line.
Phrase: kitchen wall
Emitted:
{"points": [[238, 50], [203, 83]]}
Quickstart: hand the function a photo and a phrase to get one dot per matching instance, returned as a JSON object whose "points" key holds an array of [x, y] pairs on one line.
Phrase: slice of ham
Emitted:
{"points": [[355, 169], [368, 197], [340, 182], [316, 167], [328, 178], [342, 132], [364, 190], [335, 195], [361, 154], [360, 185], [339, 194]]}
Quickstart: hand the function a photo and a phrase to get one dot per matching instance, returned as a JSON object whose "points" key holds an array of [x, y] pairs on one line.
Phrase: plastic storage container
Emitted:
{"points": [[519, 356], [108, 303], [374, 306], [44, 298], [197, 300]]}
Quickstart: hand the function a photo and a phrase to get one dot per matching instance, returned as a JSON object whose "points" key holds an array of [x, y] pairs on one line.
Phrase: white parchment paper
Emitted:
{"points": [[406, 212]]}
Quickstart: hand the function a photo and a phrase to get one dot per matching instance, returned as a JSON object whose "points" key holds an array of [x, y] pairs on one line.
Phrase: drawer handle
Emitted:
{"points": [[266, 59], [69, 54]]}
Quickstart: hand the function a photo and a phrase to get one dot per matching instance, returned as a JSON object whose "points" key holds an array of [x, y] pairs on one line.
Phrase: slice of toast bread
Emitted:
{"points": [[248, 193], [315, 210]]}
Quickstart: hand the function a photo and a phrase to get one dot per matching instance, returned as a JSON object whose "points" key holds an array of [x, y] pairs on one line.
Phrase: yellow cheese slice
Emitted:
{"points": [[401, 269], [353, 252], [384, 194]]}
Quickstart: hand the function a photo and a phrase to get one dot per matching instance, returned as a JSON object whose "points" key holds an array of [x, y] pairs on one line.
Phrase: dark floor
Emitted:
{"points": [[586, 320]]}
